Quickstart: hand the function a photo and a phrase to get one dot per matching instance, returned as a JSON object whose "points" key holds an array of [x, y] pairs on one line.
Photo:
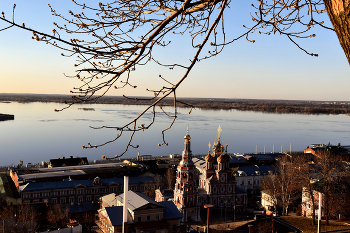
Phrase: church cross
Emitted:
{"points": [[219, 131]]}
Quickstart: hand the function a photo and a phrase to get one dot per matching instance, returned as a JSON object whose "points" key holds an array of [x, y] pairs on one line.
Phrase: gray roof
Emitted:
{"points": [[109, 200], [51, 174], [80, 167], [137, 200], [70, 184], [115, 215], [171, 210]]}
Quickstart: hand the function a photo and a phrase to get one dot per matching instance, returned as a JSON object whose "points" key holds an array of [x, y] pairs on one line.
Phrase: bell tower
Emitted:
{"points": [[186, 190]]}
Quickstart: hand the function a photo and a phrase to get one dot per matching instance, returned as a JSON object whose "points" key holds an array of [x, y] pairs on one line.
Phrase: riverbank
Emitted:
{"points": [[268, 106]]}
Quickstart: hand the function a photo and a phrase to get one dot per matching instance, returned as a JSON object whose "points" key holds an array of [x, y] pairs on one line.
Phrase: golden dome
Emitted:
{"points": [[209, 158], [223, 158]]}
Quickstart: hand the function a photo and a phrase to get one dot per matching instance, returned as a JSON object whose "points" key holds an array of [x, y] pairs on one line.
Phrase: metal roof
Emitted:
{"points": [[137, 200], [115, 215]]}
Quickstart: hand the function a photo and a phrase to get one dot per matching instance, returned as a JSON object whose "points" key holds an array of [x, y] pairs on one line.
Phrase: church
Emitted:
{"points": [[201, 181]]}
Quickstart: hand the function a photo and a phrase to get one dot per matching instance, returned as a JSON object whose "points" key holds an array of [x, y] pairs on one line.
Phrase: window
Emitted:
{"points": [[88, 191], [248, 182], [54, 193], [214, 190], [88, 198], [242, 183], [80, 199], [63, 200], [54, 201], [174, 228], [71, 192], [36, 201], [157, 217], [63, 192], [71, 199], [148, 218], [139, 219], [35, 194]]}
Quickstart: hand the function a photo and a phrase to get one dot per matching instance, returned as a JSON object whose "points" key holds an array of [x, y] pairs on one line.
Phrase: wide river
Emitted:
{"points": [[39, 134]]}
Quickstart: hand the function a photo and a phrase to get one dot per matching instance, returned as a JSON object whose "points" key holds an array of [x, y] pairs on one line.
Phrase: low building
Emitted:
{"points": [[144, 214], [80, 191], [250, 178]]}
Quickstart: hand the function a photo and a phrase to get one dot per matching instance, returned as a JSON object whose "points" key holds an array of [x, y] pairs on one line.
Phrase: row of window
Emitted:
{"points": [[81, 191], [148, 218], [255, 182]]}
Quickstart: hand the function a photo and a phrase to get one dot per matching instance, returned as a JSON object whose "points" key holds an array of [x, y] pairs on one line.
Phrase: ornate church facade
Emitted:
{"points": [[216, 185], [201, 181]]}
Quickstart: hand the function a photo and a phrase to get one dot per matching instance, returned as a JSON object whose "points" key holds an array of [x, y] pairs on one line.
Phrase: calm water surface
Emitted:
{"points": [[39, 134]]}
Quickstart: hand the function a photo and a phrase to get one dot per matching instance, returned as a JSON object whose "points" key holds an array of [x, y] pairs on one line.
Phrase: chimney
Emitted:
{"points": [[125, 205]]}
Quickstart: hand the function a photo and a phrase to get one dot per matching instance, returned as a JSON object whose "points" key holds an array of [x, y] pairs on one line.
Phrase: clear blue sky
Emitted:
{"points": [[271, 68]]}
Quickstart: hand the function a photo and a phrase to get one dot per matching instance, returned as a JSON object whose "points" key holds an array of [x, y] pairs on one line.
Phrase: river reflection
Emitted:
{"points": [[38, 133]]}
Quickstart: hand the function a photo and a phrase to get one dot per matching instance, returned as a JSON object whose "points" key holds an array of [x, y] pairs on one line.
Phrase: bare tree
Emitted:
{"points": [[284, 183], [113, 39], [21, 218], [57, 216]]}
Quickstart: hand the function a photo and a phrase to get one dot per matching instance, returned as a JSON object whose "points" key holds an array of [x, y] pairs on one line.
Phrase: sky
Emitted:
{"points": [[270, 68]]}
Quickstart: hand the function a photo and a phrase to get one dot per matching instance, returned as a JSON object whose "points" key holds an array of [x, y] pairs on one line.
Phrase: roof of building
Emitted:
{"points": [[238, 159], [69, 184], [115, 215], [34, 176], [167, 192], [81, 167], [170, 211], [109, 200], [137, 200]]}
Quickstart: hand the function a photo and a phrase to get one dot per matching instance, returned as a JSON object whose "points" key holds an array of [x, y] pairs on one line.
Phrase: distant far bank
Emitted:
{"points": [[268, 106]]}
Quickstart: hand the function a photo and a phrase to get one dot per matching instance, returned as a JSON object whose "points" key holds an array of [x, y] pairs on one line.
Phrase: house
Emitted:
{"points": [[250, 178], [144, 214]]}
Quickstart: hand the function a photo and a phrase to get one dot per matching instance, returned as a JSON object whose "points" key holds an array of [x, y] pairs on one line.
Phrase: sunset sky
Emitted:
{"points": [[271, 68]]}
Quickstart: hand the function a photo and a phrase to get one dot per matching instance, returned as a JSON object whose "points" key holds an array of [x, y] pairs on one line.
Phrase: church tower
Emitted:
{"points": [[186, 190]]}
